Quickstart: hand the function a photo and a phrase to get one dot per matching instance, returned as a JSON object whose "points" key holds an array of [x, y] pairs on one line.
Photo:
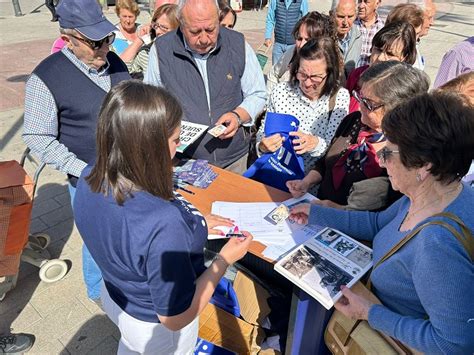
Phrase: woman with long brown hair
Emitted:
{"points": [[147, 240]]}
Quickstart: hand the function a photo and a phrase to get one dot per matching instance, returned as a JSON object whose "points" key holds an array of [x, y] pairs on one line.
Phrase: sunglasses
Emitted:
{"points": [[314, 78], [368, 105], [385, 153], [96, 44]]}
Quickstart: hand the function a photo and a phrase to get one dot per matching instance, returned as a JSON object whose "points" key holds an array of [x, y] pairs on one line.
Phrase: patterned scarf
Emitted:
{"points": [[360, 155]]}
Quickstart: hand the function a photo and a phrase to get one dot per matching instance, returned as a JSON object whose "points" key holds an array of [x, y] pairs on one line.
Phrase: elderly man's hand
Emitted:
{"points": [[230, 121]]}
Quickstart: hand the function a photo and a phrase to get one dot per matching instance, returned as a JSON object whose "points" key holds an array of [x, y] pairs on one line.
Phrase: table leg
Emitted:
{"points": [[308, 320]]}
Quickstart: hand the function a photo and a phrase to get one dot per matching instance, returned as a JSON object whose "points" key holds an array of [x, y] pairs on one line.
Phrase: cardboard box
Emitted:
{"points": [[252, 299], [225, 330], [16, 202], [242, 336]]}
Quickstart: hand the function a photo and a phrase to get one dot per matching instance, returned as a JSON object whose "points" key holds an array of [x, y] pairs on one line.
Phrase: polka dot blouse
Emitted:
{"points": [[313, 116]]}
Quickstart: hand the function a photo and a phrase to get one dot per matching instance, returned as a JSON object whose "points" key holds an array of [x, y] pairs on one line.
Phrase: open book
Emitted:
{"points": [[324, 263], [189, 133]]}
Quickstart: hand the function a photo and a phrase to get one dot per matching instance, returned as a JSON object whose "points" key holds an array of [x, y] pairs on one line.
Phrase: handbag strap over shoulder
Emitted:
{"points": [[332, 104], [466, 238]]}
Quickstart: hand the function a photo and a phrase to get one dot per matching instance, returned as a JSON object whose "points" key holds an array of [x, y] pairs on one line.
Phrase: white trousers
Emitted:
{"points": [[140, 337]]}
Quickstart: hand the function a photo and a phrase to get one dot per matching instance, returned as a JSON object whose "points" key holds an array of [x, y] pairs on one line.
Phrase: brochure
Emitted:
{"points": [[190, 132], [324, 263]]}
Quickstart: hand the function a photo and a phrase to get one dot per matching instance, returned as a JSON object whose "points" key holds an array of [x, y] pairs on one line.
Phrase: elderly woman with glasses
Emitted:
{"points": [[313, 88], [395, 41], [426, 286], [311, 26], [164, 20], [351, 158]]}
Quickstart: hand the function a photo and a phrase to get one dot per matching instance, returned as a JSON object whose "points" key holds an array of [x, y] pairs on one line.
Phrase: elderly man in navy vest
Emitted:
{"points": [[216, 77], [63, 98], [282, 17]]}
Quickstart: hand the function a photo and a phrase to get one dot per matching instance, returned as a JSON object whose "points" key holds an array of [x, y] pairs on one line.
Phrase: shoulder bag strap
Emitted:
{"points": [[465, 239], [332, 104]]}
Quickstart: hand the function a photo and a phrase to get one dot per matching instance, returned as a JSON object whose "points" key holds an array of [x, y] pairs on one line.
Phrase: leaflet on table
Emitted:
{"points": [[299, 233], [194, 172], [324, 263], [251, 217], [190, 132]]}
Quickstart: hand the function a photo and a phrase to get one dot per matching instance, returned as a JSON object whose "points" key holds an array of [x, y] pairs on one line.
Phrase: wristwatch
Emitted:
{"points": [[239, 119]]}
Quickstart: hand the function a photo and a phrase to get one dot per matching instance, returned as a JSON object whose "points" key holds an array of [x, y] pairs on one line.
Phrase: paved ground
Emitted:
{"points": [[59, 314]]}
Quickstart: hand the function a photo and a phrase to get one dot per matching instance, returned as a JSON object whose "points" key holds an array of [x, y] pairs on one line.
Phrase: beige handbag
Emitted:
{"points": [[356, 337]]}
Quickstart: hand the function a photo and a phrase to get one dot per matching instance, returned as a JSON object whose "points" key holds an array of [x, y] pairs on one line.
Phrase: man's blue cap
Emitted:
{"points": [[86, 17]]}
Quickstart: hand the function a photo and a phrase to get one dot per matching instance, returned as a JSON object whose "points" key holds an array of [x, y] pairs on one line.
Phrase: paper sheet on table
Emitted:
{"points": [[249, 216], [280, 238], [299, 233]]}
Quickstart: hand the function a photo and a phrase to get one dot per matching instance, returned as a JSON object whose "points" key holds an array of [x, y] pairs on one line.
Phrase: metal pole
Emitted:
{"points": [[16, 7]]}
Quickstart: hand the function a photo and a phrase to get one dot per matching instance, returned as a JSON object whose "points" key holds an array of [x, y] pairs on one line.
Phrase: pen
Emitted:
{"points": [[186, 190], [229, 235]]}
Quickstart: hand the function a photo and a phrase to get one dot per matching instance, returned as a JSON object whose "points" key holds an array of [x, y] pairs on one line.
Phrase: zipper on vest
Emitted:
{"points": [[210, 125]]}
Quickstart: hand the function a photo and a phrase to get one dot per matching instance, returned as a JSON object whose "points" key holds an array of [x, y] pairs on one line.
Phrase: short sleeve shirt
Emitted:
{"points": [[149, 250]]}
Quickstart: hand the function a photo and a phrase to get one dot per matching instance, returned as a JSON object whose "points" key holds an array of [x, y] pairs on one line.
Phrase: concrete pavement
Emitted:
{"points": [[59, 314]]}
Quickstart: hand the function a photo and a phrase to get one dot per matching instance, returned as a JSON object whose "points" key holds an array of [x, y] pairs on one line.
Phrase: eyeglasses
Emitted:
{"points": [[385, 153], [368, 105], [314, 78], [96, 44], [229, 26], [157, 25]]}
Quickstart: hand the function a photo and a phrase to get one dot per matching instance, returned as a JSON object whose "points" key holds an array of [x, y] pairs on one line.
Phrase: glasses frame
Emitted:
{"points": [[155, 25], [367, 104], [385, 153], [95, 45], [314, 78]]}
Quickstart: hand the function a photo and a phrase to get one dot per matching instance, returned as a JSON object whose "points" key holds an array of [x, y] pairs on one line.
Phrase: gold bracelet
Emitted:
{"points": [[219, 257]]}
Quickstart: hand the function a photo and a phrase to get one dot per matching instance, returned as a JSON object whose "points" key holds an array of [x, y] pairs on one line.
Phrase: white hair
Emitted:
{"points": [[335, 4]]}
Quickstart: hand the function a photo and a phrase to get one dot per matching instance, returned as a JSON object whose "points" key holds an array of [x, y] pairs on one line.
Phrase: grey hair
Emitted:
{"points": [[393, 82], [67, 31], [335, 3], [182, 3]]}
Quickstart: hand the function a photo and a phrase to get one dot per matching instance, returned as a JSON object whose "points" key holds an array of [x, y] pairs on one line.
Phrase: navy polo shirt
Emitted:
{"points": [[150, 250]]}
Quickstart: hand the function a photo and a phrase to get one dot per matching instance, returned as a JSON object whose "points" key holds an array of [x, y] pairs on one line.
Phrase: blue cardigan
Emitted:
{"points": [[427, 287]]}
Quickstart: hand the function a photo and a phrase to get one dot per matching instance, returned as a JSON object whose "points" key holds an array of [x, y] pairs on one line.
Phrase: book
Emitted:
{"points": [[190, 132], [324, 263]]}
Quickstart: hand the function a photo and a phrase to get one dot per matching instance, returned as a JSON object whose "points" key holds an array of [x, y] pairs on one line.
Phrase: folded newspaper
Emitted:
{"points": [[190, 132], [324, 263]]}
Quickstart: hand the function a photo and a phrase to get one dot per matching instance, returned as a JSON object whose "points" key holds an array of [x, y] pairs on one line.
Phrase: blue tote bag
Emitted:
{"points": [[275, 169]]}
